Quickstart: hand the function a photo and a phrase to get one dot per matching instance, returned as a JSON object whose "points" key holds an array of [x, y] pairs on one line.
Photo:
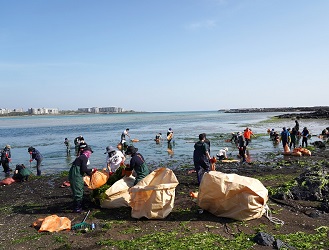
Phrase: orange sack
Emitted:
{"points": [[7, 181], [52, 223], [97, 179]]}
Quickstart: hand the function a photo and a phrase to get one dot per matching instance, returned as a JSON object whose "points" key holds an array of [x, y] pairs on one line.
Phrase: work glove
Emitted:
{"points": [[128, 173], [30, 160], [94, 170], [9, 159]]}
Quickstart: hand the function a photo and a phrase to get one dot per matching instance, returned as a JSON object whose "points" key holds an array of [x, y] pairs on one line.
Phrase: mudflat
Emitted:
{"points": [[185, 227]]}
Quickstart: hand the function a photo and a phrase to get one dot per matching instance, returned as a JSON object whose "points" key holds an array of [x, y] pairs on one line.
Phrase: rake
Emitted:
{"points": [[82, 224]]}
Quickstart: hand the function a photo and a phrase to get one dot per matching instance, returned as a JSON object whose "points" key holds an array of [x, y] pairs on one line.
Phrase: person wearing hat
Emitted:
{"points": [[35, 155], [222, 154], [242, 147], [201, 157], [158, 138], [305, 134], [137, 164], [78, 169], [123, 141], [114, 158], [77, 141], [170, 135], [5, 159], [234, 138]]}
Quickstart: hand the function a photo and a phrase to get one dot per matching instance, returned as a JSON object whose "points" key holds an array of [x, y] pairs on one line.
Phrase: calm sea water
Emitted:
{"points": [[47, 133]]}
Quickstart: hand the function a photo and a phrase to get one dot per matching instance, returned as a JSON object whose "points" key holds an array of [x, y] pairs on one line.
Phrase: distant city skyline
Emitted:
{"points": [[188, 55]]}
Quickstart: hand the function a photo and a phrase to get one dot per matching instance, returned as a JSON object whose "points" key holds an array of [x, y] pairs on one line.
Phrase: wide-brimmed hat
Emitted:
{"points": [[109, 149], [131, 150]]}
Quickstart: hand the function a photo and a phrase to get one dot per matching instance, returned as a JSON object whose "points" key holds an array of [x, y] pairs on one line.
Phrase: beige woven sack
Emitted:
{"points": [[153, 197], [118, 195], [232, 196]]}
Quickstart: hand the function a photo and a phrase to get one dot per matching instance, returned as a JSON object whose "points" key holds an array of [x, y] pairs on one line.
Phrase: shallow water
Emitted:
{"points": [[47, 133]]}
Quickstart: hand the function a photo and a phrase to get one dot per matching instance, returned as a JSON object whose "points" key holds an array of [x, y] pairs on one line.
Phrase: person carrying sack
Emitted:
{"points": [[76, 173]]}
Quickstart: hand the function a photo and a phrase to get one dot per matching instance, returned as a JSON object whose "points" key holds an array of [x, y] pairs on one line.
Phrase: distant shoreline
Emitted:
{"points": [[319, 112], [283, 109]]}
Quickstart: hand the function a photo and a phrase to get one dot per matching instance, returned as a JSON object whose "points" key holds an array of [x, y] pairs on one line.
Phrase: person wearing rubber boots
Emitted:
{"points": [[37, 156], [78, 169]]}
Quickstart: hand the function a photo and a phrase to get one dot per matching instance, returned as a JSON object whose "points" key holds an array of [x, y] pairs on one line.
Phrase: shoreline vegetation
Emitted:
{"points": [[305, 221]]}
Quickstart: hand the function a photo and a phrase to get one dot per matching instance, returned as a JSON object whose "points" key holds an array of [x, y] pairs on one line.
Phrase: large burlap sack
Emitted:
{"points": [[232, 196], [97, 179], [118, 195], [53, 223], [153, 197]]}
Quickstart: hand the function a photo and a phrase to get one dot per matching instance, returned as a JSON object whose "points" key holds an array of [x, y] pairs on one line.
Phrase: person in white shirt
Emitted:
{"points": [[114, 158], [222, 154]]}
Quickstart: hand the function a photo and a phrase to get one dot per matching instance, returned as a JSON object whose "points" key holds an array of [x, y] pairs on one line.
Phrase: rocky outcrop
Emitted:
{"points": [[319, 114]]}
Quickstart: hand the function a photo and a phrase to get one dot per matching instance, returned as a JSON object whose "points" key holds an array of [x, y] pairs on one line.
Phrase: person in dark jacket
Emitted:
{"points": [[305, 134], [137, 163], [5, 159], [242, 147], [293, 137], [78, 169], [201, 157], [35, 155], [285, 137], [296, 126]]}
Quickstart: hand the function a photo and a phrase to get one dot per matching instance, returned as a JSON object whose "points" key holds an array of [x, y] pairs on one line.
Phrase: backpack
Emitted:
{"points": [[3, 155]]}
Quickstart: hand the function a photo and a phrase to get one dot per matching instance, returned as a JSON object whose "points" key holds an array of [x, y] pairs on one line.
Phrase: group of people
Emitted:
{"points": [[290, 137], [201, 154], [115, 162], [6, 159]]}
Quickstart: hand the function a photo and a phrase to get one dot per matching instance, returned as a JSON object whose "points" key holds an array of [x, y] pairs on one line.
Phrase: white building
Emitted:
{"points": [[101, 110], [43, 111]]}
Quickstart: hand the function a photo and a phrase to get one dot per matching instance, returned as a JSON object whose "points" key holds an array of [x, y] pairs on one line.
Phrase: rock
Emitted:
{"points": [[264, 239], [319, 144], [278, 244]]}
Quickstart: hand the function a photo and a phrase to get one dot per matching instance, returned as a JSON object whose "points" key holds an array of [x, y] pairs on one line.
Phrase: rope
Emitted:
{"points": [[268, 215]]}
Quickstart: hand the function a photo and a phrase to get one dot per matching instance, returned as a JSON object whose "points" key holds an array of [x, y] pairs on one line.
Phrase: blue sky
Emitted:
{"points": [[156, 55]]}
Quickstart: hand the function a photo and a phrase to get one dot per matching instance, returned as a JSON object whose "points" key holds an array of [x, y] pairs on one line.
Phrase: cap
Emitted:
{"points": [[8, 146], [131, 150], [109, 149], [30, 149], [87, 148]]}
